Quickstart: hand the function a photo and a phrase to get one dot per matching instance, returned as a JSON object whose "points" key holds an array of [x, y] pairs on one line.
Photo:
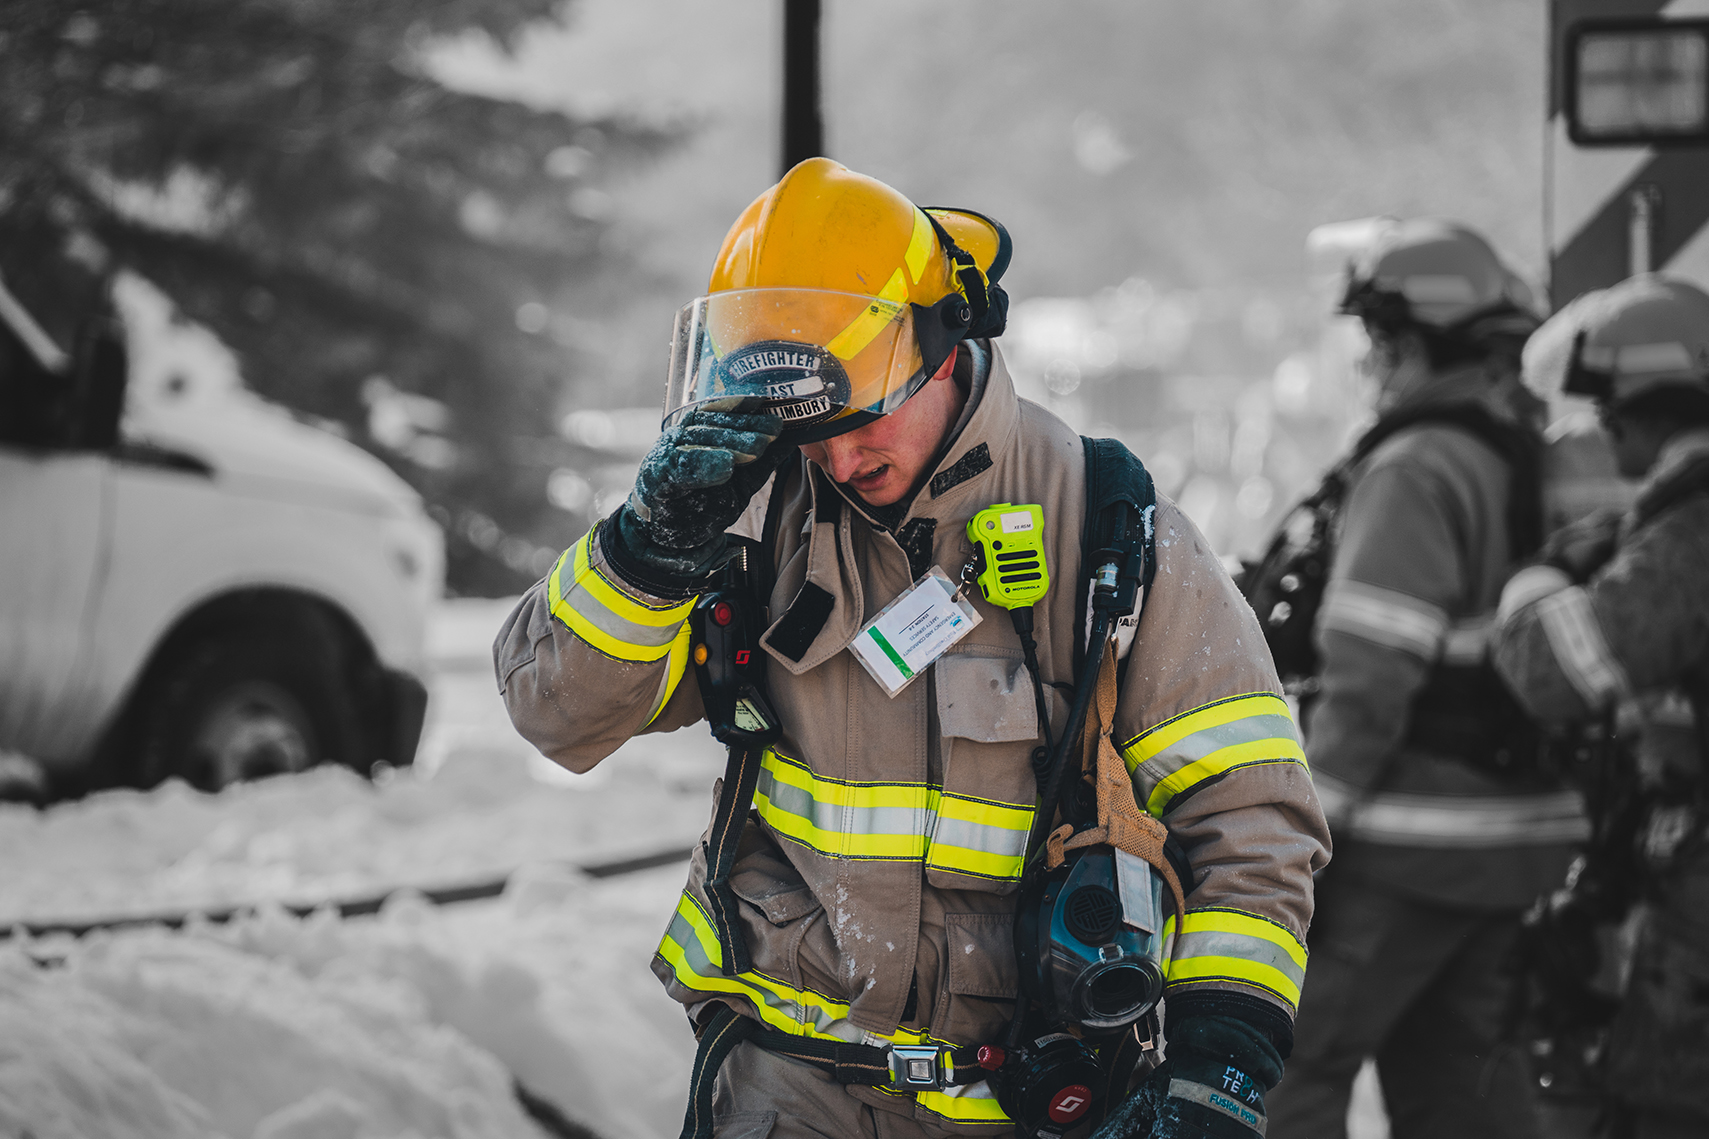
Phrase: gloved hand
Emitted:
{"points": [[693, 484], [1583, 547], [1211, 1087]]}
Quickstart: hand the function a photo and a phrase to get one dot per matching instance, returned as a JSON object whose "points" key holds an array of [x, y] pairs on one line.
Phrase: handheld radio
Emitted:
{"points": [[1008, 545]]}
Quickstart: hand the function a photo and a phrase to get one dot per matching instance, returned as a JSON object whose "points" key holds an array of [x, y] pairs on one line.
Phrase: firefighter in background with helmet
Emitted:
{"points": [[1445, 828], [1616, 617], [874, 882]]}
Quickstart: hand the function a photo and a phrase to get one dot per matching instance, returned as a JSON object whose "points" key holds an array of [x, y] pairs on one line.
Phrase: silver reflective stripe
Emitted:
{"points": [[1399, 818], [1383, 616], [1205, 741], [1466, 641], [1579, 647], [838, 818], [977, 836], [1222, 943], [1531, 584], [592, 610]]}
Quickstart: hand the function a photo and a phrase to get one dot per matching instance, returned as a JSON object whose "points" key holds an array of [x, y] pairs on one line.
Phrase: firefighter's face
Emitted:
{"points": [[886, 459], [1635, 440], [1397, 364]]}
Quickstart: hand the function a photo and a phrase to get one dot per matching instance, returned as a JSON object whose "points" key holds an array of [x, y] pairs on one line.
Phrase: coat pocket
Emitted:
{"points": [[980, 978], [986, 696]]}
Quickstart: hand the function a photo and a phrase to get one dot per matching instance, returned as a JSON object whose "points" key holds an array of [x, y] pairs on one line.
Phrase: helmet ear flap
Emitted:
{"points": [[987, 301]]}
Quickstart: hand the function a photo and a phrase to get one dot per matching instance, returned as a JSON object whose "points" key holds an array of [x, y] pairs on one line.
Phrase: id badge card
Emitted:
{"points": [[914, 630]]}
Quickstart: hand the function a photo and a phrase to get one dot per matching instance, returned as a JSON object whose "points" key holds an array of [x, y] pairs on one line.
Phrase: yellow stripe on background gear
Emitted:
{"points": [[1186, 966], [803, 1013], [1220, 719], [607, 618], [882, 312]]}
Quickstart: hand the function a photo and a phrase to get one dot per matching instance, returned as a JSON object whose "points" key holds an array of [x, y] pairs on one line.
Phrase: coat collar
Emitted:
{"points": [[826, 613], [984, 433]]}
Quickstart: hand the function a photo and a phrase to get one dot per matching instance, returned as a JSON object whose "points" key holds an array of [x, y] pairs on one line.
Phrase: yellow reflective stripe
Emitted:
{"points": [[1208, 742], [885, 309], [980, 837], [607, 618], [779, 1005], [690, 948], [968, 1103], [919, 245], [676, 667], [844, 820], [1229, 945], [895, 821]]}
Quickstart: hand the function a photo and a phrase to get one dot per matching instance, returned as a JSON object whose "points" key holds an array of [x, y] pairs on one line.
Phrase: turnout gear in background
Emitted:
{"points": [[1444, 832], [1629, 638]]}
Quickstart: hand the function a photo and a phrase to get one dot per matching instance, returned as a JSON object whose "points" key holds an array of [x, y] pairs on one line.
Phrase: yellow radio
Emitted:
{"points": [[1009, 540]]}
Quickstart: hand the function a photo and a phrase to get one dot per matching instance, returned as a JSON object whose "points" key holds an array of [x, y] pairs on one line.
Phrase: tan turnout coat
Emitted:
{"points": [[883, 852]]}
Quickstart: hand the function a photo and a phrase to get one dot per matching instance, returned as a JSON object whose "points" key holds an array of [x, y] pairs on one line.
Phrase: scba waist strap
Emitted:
{"points": [[899, 1067]]}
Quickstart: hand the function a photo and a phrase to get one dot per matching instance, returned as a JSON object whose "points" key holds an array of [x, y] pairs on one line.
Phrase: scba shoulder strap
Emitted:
{"points": [[1119, 491]]}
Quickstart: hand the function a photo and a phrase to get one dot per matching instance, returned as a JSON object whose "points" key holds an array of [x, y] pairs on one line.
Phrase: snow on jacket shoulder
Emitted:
{"points": [[877, 879]]}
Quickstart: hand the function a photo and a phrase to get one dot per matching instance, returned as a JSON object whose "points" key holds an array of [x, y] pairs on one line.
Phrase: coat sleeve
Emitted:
{"points": [[585, 661], [1399, 568], [1214, 754], [1571, 651]]}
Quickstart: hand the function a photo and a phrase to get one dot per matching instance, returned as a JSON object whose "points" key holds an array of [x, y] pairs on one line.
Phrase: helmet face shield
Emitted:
{"points": [[824, 362]]}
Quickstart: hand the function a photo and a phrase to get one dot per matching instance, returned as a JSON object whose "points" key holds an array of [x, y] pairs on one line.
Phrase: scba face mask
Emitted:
{"points": [[1091, 941]]}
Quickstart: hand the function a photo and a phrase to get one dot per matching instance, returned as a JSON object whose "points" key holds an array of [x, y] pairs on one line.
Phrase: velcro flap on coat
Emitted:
{"points": [[981, 950], [986, 697], [772, 886]]}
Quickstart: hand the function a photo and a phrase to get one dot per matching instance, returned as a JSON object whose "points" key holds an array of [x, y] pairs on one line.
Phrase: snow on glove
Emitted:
{"points": [[1211, 1087], [692, 485]]}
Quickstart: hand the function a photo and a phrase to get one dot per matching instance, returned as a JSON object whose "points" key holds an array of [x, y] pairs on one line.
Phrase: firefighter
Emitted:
{"points": [[1446, 827], [875, 882], [1615, 618]]}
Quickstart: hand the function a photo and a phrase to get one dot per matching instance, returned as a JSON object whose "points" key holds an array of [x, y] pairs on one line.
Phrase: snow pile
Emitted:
{"points": [[328, 834], [152, 1034], [415, 1023]]}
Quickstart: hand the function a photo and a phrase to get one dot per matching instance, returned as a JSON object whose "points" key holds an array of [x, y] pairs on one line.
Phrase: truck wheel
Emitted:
{"points": [[232, 709]]}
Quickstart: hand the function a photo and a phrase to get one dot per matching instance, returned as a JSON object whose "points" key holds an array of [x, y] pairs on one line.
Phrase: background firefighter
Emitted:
{"points": [[869, 920], [1446, 829], [1616, 618]]}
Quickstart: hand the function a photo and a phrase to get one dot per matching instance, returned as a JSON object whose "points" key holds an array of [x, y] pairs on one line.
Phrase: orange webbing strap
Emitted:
{"points": [[1121, 823]]}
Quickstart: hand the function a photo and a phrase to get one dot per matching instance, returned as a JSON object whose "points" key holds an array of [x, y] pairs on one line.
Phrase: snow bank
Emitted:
{"points": [[414, 1023], [154, 1034]]}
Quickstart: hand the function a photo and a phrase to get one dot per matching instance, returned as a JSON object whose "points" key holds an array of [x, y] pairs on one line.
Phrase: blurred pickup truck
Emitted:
{"points": [[215, 594]]}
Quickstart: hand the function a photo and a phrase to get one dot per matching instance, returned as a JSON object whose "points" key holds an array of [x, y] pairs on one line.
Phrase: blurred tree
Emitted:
{"points": [[379, 250]]}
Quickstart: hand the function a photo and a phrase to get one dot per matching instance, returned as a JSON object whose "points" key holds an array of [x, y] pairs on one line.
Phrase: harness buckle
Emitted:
{"points": [[917, 1067]]}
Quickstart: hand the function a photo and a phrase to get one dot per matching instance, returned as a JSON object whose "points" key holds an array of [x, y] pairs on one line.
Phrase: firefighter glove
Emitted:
{"points": [[694, 483], [1583, 547], [1211, 1087]]}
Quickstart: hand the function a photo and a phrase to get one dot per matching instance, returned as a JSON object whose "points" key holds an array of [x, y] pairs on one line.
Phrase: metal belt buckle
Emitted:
{"points": [[915, 1067]]}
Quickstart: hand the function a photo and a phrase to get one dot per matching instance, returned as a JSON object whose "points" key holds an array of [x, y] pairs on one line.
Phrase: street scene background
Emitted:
{"points": [[453, 235]]}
